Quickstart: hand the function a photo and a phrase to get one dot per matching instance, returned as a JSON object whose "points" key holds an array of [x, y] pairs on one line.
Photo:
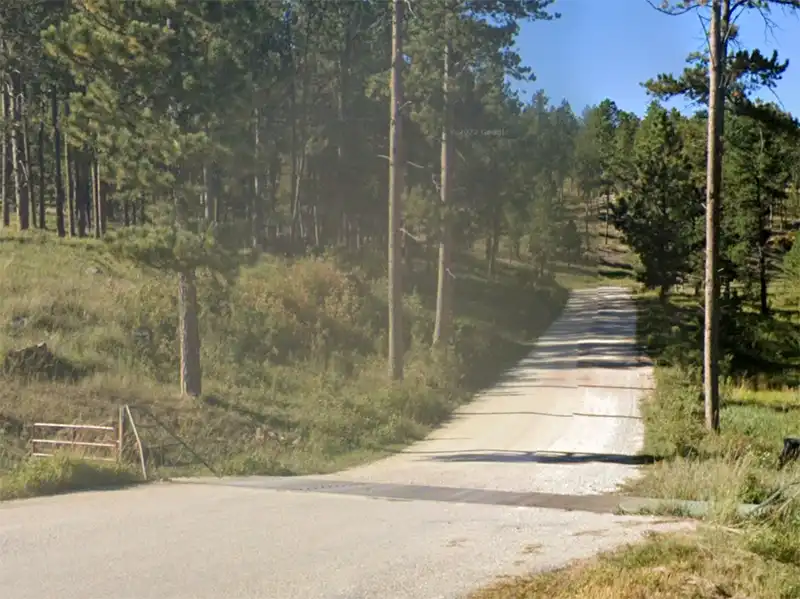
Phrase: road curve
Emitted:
{"points": [[565, 420]]}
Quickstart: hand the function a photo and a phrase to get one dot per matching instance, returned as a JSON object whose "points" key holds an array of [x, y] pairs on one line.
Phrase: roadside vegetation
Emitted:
{"points": [[195, 200], [727, 556], [194, 211], [730, 456], [293, 354]]}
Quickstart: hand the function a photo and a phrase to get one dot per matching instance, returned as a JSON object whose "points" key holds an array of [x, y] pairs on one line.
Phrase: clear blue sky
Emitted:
{"points": [[606, 48]]}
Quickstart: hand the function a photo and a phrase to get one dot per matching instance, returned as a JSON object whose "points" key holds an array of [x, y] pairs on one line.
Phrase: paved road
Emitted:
{"points": [[563, 421]]}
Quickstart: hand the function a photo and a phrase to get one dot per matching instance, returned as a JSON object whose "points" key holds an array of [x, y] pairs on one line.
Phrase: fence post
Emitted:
{"points": [[120, 432], [138, 440]]}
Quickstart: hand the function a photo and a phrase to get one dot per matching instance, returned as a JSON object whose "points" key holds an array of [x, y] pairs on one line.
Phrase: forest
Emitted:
{"points": [[353, 220]]}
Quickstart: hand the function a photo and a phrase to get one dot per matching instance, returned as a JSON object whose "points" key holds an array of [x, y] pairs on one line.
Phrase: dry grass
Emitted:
{"points": [[293, 355], [712, 564]]}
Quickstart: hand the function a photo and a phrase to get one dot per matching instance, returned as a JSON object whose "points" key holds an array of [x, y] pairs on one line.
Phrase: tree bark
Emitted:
{"points": [[29, 195], [81, 194], [713, 185], [42, 220], [495, 245], [191, 375], [97, 199], [762, 280], [342, 155], [396, 185], [258, 201], [189, 333], [444, 312], [5, 198], [70, 171], [20, 191]]}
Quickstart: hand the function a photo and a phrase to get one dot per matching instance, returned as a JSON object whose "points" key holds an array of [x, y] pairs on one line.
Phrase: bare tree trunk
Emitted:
{"points": [[98, 199], [396, 185], [258, 200], [293, 162], [444, 308], [588, 218], [191, 375], [42, 220], [95, 195], [762, 280], [69, 157], [494, 242], [316, 226], [29, 196], [20, 191], [713, 184], [80, 193], [5, 198], [343, 176], [300, 138]]}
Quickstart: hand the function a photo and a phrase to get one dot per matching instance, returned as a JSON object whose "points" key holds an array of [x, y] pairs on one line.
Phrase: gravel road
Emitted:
{"points": [[565, 420]]}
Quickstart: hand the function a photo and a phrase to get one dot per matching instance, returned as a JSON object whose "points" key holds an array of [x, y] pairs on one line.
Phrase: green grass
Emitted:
{"points": [[293, 356], [712, 564], [62, 474]]}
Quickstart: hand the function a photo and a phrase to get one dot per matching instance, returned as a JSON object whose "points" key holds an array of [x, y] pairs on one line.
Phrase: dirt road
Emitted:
{"points": [[565, 420]]}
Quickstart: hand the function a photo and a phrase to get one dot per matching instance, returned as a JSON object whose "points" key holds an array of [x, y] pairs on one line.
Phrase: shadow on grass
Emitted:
{"points": [[619, 266], [780, 408], [753, 345], [63, 474], [272, 421], [616, 274]]}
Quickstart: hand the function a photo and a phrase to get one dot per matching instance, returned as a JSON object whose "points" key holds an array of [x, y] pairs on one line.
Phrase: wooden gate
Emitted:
{"points": [[95, 442]]}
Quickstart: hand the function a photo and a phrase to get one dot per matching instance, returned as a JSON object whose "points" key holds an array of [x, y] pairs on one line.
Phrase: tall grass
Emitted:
{"points": [[293, 354]]}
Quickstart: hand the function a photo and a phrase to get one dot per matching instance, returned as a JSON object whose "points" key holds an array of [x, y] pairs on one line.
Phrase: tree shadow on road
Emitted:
{"points": [[538, 457]]}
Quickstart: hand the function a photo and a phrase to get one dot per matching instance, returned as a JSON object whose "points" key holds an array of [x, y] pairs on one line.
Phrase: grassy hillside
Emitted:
{"points": [[293, 355]]}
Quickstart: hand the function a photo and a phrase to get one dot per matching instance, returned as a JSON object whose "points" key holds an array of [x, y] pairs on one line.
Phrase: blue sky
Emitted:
{"points": [[606, 48]]}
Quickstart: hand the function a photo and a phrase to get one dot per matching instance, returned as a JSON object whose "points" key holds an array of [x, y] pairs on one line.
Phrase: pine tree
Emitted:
{"points": [[657, 215]]}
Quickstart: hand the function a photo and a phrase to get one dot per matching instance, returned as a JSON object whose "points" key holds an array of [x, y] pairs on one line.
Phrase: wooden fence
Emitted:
{"points": [[110, 450]]}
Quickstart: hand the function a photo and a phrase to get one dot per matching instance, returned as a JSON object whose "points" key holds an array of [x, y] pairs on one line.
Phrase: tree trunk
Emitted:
{"points": [[495, 245], [29, 196], [42, 220], [97, 199], [444, 311], [188, 324], [70, 171], [259, 226], [60, 226], [396, 185], [343, 175], [5, 197], [713, 184], [762, 280], [82, 197], [20, 191], [189, 333], [299, 138]]}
